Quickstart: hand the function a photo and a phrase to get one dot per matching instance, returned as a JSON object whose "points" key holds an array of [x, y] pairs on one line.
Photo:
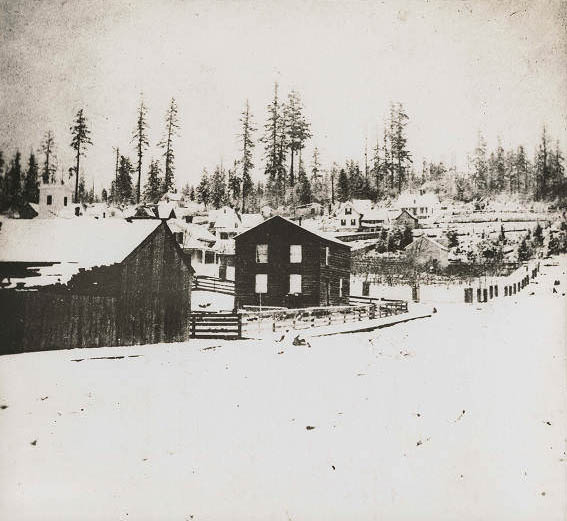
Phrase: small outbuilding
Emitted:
{"points": [[424, 249], [279, 263], [91, 282]]}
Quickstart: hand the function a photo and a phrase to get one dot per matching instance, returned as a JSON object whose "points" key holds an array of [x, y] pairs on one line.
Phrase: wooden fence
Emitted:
{"points": [[394, 305], [215, 325], [256, 323], [207, 283]]}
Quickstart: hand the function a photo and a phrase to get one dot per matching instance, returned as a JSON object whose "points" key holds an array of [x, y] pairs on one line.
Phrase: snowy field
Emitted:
{"points": [[460, 416]]}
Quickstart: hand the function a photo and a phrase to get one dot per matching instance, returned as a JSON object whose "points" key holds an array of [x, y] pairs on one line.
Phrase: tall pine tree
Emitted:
{"points": [[140, 138], [171, 131], [80, 139], [247, 144], [31, 182]]}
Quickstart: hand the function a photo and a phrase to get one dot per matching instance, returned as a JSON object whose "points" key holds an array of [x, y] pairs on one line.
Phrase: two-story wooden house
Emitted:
{"points": [[279, 263]]}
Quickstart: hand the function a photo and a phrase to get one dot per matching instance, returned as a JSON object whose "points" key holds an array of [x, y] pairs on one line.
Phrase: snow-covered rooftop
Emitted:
{"points": [[85, 241]]}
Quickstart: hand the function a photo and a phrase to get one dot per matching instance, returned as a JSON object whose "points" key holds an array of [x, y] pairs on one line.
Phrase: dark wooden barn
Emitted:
{"points": [[88, 283], [279, 263]]}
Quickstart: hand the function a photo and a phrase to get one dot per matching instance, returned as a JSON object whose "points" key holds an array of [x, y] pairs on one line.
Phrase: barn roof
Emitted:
{"points": [[311, 232], [84, 241]]}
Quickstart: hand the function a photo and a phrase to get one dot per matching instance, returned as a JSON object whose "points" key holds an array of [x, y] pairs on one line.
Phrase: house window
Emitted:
{"points": [[223, 235], [353, 222], [295, 253], [348, 210], [327, 251], [262, 253], [295, 283], [343, 222], [64, 201], [261, 283], [49, 200], [340, 287]]}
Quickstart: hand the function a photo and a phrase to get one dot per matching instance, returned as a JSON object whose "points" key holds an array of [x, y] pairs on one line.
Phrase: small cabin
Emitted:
{"points": [[279, 263], [425, 249], [406, 219]]}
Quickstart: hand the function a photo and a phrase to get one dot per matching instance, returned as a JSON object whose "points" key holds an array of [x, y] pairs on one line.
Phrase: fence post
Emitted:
{"points": [[192, 326], [239, 325]]}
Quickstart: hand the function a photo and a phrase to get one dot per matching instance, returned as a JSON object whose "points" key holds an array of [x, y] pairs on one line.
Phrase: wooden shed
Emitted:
{"points": [[86, 283], [279, 263]]}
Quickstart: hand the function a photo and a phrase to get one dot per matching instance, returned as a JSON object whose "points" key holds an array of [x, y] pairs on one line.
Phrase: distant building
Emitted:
{"points": [[374, 219], [424, 249], [423, 205], [347, 217], [406, 219], [55, 197], [225, 222], [279, 263]]}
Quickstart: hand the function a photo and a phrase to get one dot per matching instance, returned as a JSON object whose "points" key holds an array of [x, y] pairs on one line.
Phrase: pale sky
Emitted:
{"points": [[458, 67]]}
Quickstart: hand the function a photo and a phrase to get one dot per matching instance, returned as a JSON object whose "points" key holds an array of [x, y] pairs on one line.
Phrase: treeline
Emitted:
{"points": [[289, 178]]}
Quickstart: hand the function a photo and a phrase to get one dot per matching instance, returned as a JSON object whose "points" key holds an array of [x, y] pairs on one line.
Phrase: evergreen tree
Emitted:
{"points": [[104, 195], [49, 166], [80, 139], [192, 194], [247, 146], [218, 188], [334, 175], [140, 137], [153, 186], [233, 185], [124, 187], [81, 197], [357, 188], [275, 146], [480, 166], [343, 191], [13, 182], [452, 239], [542, 167], [377, 171], [203, 189], [304, 194], [171, 131], [401, 157], [31, 182], [298, 128]]}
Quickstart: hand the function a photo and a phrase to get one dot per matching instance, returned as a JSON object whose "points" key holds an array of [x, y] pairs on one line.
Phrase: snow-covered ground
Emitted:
{"points": [[457, 417]]}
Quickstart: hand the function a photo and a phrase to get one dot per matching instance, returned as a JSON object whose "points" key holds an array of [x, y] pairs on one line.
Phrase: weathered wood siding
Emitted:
{"points": [[338, 268], [278, 234], [39, 321], [148, 301], [155, 292]]}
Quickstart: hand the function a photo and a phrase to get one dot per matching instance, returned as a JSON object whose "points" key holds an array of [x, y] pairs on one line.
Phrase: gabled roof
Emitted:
{"points": [[423, 238], [404, 211], [311, 232], [85, 241]]}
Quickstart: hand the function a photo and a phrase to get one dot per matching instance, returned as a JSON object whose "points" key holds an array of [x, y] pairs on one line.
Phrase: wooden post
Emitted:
{"points": [[192, 326], [239, 325]]}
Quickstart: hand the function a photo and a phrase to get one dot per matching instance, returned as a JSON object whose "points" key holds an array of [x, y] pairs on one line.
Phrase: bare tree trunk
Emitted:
{"points": [[77, 173]]}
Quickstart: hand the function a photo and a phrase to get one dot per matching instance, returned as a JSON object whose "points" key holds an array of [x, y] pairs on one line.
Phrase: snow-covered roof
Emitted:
{"points": [[412, 244], [318, 234], [249, 220], [375, 214], [85, 241]]}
